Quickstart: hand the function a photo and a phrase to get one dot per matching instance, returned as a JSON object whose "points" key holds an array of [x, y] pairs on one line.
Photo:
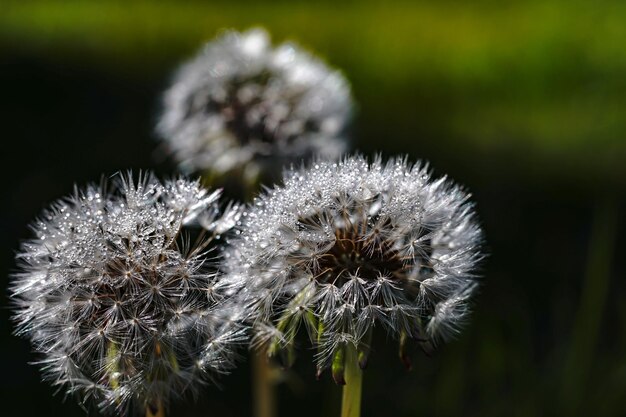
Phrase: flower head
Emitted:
{"points": [[112, 294], [243, 105], [342, 247]]}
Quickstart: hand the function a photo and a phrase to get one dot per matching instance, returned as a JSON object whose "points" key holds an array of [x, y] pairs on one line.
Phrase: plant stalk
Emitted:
{"points": [[351, 401], [263, 380], [579, 363], [159, 411]]}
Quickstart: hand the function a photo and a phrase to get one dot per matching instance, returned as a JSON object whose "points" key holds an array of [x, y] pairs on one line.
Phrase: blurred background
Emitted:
{"points": [[524, 102]]}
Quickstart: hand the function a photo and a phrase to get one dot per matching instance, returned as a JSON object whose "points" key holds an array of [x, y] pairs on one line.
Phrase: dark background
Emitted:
{"points": [[523, 102]]}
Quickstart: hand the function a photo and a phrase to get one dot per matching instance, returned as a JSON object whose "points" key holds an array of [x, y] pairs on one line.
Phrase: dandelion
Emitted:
{"points": [[243, 106], [118, 301], [344, 247]]}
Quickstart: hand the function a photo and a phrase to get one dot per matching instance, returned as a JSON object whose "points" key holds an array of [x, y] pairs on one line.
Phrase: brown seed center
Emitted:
{"points": [[355, 254]]}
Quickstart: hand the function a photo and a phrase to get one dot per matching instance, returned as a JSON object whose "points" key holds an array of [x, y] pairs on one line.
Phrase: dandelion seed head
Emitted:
{"points": [[244, 105], [342, 247], [115, 298]]}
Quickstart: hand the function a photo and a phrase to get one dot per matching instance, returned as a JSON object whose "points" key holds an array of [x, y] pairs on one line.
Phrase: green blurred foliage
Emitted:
{"points": [[540, 80]]}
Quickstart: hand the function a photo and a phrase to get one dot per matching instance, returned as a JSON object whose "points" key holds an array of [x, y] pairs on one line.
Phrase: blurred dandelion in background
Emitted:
{"points": [[122, 305], [244, 106], [344, 247]]}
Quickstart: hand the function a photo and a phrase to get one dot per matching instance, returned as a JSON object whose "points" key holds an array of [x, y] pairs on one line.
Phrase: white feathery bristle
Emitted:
{"points": [[357, 244], [117, 302], [243, 105]]}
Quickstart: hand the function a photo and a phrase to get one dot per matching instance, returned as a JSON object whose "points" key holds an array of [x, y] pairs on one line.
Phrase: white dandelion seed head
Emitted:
{"points": [[242, 104], [342, 247], [119, 303]]}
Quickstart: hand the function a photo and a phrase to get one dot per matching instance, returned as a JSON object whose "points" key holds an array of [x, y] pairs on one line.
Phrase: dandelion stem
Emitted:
{"points": [[155, 410], [351, 401], [263, 380]]}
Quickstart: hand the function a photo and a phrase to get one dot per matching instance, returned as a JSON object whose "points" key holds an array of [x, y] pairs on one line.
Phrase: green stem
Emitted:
{"points": [[579, 362], [158, 412], [264, 381], [351, 401]]}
